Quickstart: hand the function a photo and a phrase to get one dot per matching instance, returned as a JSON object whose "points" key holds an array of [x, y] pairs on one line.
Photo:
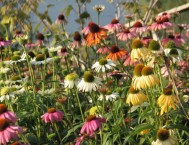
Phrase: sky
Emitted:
{"points": [[106, 17]]}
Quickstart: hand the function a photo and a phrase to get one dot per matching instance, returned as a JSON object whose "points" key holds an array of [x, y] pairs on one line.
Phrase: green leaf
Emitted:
{"points": [[67, 10], [37, 27], [84, 15]]}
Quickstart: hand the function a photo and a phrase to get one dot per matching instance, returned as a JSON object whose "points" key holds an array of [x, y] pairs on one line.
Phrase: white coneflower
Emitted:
{"points": [[40, 59], [54, 49], [71, 80], [109, 96], [103, 65], [165, 137], [135, 97], [4, 70], [99, 8], [89, 82], [7, 93], [138, 51], [16, 59], [46, 92]]}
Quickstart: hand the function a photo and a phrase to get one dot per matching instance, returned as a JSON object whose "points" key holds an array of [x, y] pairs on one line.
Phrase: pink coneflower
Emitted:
{"points": [[30, 45], [114, 26], [163, 15], [160, 24], [85, 30], [165, 73], [3, 42], [166, 40], [52, 115], [183, 85], [183, 65], [6, 114], [128, 61], [76, 41], [92, 124], [8, 131], [179, 40], [138, 27], [80, 139], [103, 50], [126, 34], [63, 52], [146, 40], [18, 33], [61, 19], [40, 39]]}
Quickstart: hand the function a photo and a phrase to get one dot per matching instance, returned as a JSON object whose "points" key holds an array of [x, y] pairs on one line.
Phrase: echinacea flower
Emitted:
{"points": [[77, 40], [116, 53], [126, 35], [138, 27], [4, 42], [154, 46], [103, 65], [6, 114], [63, 52], [109, 96], [7, 93], [103, 50], [92, 124], [61, 19], [165, 137], [95, 35], [52, 115], [135, 97], [40, 39], [55, 48], [4, 70], [7, 131], [89, 82], [40, 59], [99, 8], [143, 77], [114, 26], [146, 40], [167, 100], [127, 60], [71, 80], [138, 51]]}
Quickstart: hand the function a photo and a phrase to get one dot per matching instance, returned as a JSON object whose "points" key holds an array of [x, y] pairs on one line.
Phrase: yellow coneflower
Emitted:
{"points": [[167, 100], [135, 97], [137, 76], [138, 51], [148, 79], [165, 137]]}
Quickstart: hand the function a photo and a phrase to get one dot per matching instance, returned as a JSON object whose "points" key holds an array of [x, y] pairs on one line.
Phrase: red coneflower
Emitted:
{"points": [[116, 53], [95, 35]]}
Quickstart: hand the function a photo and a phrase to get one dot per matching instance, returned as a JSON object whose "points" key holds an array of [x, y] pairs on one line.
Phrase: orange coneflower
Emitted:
{"points": [[95, 35], [116, 53]]}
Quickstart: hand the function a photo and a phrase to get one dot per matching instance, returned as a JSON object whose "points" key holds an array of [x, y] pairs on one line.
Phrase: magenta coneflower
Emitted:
{"points": [[103, 50], [92, 124], [62, 52], [8, 131], [126, 34], [160, 24], [166, 40], [3, 42], [114, 26], [138, 27], [52, 115], [179, 40], [6, 114]]}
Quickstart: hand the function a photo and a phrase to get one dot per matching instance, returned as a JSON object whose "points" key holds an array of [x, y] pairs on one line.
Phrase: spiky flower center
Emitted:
{"points": [[163, 134], [15, 78], [51, 110], [88, 77], [61, 17], [137, 24], [3, 124], [40, 57], [136, 43], [154, 45], [114, 21], [77, 36], [174, 52], [167, 91], [126, 31], [15, 57], [138, 70], [15, 143], [170, 44], [171, 36], [31, 54], [103, 61], [147, 71], [3, 108], [40, 36], [90, 118], [132, 90], [114, 49], [94, 28], [63, 50], [71, 77]]}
